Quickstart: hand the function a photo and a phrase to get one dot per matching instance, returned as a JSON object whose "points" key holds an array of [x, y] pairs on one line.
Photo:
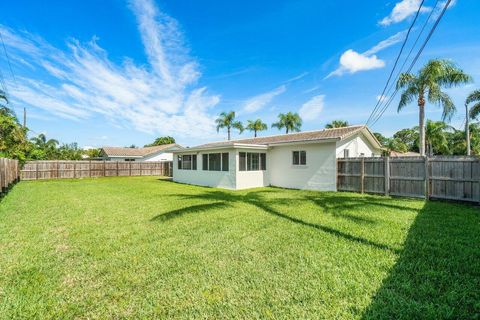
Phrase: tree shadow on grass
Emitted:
{"points": [[437, 275], [257, 199]]}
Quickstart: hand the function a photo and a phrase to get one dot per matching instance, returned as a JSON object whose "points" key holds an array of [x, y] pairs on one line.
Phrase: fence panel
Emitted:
{"points": [[9, 173], [446, 177], [36, 170]]}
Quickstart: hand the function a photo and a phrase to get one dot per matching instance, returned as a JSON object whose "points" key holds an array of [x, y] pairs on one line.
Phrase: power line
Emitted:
{"points": [[407, 57], [396, 61], [8, 59], [416, 58]]}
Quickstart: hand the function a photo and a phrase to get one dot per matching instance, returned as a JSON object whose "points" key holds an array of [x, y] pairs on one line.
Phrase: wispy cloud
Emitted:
{"points": [[351, 61], [312, 109], [258, 102], [402, 10], [298, 77], [83, 82]]}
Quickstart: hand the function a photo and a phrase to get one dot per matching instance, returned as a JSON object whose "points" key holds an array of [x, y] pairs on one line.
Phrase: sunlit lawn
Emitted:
{"points": [[146, 248]]}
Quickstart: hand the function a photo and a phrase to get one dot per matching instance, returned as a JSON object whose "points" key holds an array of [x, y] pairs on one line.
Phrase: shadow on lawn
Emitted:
{"points": [[334, 203], [437, 275]]}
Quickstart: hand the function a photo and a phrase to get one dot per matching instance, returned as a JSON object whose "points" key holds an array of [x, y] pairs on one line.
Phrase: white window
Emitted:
{"points": [[215, 161], [187, 162], [299, 158], [252, 161]]}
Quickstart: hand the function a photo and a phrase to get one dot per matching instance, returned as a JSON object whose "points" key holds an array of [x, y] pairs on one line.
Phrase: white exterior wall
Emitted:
{"points": [[251, 179], [356, 145], [162, 156], [220, 179], [318, 174]]}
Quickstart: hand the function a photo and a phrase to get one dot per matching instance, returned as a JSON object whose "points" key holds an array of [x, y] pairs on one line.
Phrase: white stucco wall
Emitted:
{"points": [[162, 156], [318, 174], [251, 179], [220, 179], [356, 145]]}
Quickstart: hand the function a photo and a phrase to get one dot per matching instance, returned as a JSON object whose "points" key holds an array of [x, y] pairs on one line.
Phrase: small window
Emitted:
{"points": [[253, 161], [225, 161], [205, 161], [194, 162], [242, 161], [299, 158], [346, 153], [263, 161], [179, 162]]}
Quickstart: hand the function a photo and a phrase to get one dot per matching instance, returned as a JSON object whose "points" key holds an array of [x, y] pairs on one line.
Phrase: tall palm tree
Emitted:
{"points": [[428, 84], [474, 112], [255, 126], [290, 121], [42, 143], [337, 124], [227, 120]]}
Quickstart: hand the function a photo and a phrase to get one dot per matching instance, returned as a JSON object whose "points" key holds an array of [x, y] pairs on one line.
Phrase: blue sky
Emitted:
{"points": [[118, 72]]}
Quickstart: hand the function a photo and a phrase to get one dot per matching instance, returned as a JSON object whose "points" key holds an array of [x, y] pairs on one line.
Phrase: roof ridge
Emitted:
{"points": [[284, 134]]}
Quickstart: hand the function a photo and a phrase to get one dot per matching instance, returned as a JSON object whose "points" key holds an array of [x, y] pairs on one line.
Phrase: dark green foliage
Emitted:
{"points": [[161, 141]]}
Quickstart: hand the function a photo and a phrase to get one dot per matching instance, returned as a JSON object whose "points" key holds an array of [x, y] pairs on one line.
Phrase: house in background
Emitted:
{"points": [[305, 160], [156, 153]]}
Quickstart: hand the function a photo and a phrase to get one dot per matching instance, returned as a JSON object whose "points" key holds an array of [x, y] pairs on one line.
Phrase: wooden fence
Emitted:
{"points": [[452, 178], [36, 170], [9, 173]]}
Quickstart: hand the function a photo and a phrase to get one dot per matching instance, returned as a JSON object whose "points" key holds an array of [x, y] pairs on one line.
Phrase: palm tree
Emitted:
{"points": [[428, 84], [227, 120], [255, 126], [42, 143], [337, 124], [290, 121], [474, 112], [436, 137]]}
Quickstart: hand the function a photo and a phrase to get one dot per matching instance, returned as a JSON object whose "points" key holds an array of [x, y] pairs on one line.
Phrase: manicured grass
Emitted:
{"points": [[146, 248]]}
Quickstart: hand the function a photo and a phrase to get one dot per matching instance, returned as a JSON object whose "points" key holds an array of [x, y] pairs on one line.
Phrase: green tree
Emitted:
{"points": [[395, 144], [46, 147], [428, 85], [337, 124], [290, 121], [409, 137], [92, 153], [255, 126], [473, 113], [381, 138], [161, 141], [436, 136], [227, 120]]}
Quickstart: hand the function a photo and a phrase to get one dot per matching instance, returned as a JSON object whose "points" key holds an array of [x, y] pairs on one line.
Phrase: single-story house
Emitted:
{"points": [[156, 153], [305, 160]]}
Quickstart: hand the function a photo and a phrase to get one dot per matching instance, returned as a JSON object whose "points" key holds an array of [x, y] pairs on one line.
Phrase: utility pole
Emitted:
{"points": [[467, 128]]}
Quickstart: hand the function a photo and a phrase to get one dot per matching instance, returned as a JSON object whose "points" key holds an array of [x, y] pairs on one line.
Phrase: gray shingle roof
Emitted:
{"points": [[317, 135]]}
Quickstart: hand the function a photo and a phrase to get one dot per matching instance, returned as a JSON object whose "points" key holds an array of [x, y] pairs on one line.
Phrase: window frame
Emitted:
{"points": [[181, 161], [346, 153], [299, 155], [224, 166], [249, 160]]}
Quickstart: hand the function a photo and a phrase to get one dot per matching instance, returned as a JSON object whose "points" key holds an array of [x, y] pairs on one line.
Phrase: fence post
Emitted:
{"points": [[427, 179], [104, 170], [387, 175], [117, 167], [89, 168], [36, 170], [129, 168], [362, 175], [58, 169], [74, 170], [140, 163]]}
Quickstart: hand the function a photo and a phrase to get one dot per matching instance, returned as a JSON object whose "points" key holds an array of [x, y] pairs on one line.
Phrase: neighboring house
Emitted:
{"points": [[404, 154], [156, 153], [305, 160]]}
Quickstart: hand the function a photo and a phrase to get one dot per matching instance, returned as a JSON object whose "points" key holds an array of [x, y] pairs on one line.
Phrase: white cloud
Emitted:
{"points": [[402, 10], [82, 82], [258, 102], [351, 61], [311, 109]]}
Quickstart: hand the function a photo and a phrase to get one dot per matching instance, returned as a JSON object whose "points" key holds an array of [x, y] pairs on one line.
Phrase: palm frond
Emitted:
{"points": [[475, 111], [474, 96], [406, 80], [407, 97]]}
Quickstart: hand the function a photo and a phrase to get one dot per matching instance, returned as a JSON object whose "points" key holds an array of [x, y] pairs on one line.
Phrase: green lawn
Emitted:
{"points": [[147, 248]]}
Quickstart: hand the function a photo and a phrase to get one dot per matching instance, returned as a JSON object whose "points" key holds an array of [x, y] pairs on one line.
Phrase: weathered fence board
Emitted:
{"points": [[452, 178], [37, 170], [9, 173]]}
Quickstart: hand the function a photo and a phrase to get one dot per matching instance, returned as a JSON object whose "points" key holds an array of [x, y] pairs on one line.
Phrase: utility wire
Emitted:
{"points": [[8, 59], [407, 57], [447, 3], [396, 61]]}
